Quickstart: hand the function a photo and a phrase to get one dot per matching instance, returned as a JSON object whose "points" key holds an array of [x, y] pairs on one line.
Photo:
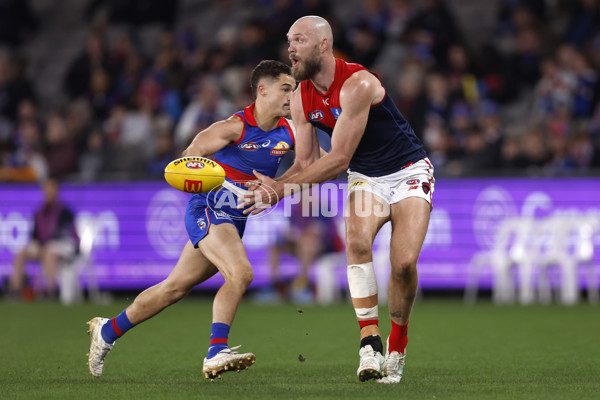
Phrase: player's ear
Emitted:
{"points": [[324, 45], [262, 89]]}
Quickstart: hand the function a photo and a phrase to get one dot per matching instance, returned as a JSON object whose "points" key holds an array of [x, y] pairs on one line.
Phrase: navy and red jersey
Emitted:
{"points": [[388, 143], [255, 149]]}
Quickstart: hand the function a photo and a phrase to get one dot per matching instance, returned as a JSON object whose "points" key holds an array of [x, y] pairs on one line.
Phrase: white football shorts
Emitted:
{"points": [[414, 180]]}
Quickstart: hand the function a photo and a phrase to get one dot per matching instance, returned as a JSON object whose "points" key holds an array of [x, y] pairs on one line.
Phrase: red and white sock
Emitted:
{"points": [[398, 338]]}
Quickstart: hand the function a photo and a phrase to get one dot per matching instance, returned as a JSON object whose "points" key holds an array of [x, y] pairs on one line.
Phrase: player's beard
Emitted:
{"points": [[308, 68]]}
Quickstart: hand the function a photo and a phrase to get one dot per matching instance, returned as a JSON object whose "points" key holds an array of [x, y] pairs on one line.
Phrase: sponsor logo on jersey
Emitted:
{"points": [[336, 112], [280, 149], [267, 143], [191, 186], [194, 164], [316, 115], [357, 184], [250, 146], [201, 223], [413, 182]]}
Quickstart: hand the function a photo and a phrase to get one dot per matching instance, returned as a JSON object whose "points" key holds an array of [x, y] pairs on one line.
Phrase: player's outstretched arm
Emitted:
{"points": [[357, 95], [215, 137]]}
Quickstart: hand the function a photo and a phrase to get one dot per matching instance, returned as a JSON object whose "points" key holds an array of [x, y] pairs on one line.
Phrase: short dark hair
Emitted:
{"points": [[267, 68]]}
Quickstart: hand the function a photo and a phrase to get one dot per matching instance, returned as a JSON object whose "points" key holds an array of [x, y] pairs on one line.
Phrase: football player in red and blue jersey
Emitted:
{"points": [[389, 179], [255, 138]]}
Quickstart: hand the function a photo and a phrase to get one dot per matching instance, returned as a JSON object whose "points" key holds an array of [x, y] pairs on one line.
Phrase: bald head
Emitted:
{"points": [[315, 27]]}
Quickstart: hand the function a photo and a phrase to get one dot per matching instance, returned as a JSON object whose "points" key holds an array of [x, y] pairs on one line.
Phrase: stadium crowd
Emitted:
{"points": [[525, 100]]}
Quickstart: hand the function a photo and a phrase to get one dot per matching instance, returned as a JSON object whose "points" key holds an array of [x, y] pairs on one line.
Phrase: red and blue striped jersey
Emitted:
{"points": [[388, 143], [255, 149]]}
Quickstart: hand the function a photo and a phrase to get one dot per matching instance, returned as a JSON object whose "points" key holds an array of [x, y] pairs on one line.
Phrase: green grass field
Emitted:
{"points": [[455, 351]]}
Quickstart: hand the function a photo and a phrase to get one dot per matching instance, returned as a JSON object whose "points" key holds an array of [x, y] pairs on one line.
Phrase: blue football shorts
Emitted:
{"points": [[214, 208]]}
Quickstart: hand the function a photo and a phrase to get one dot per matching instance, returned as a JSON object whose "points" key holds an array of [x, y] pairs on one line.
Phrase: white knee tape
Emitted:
{"points": [[361, 280], [367, 313]]}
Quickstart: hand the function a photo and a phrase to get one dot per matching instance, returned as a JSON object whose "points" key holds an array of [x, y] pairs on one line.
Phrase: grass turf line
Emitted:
{"points": [[455, 352]]}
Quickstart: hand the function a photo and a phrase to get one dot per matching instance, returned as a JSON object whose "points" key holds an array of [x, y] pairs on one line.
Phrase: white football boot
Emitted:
{"points": [[393, 366], [227, 360], [371, 363], [98, 348]]}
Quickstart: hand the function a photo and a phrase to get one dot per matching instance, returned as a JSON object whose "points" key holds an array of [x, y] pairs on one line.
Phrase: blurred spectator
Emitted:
{"points": [[95, 57], [307, 238], [581, 150], [555, 88], [584, 20], [400, 13], [365, 44], [587, 88], [128, 78], [100, 94], [434, 26], [462, 79], [130, 136], [164, 152], [61, 151], [14, 85], [534, 147], [409, 85], [255, 44], [92, 159], [438, 142], [461, 121], [15, 18], [512, 159], [211, 23], [54, 240], [135, 12], [434, 103], [208, 107], [25, 162], [374, 16], [479, 153], [527, 57], [537, 67]]}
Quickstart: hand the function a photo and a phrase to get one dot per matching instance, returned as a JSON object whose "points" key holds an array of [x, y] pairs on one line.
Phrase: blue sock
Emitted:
{"points": [[116, 327], [218, 338]]}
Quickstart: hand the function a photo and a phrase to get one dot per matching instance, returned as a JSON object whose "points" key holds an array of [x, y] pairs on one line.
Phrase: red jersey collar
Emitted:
{"points": [[249, 115]]}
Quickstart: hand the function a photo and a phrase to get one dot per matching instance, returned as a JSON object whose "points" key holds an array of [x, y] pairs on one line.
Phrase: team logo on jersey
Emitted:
{"points": [[413, 182], [280, 149], [192, 186], [316, 115], [250, 146], [336, 112], [194, 164], [201, 223]]}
